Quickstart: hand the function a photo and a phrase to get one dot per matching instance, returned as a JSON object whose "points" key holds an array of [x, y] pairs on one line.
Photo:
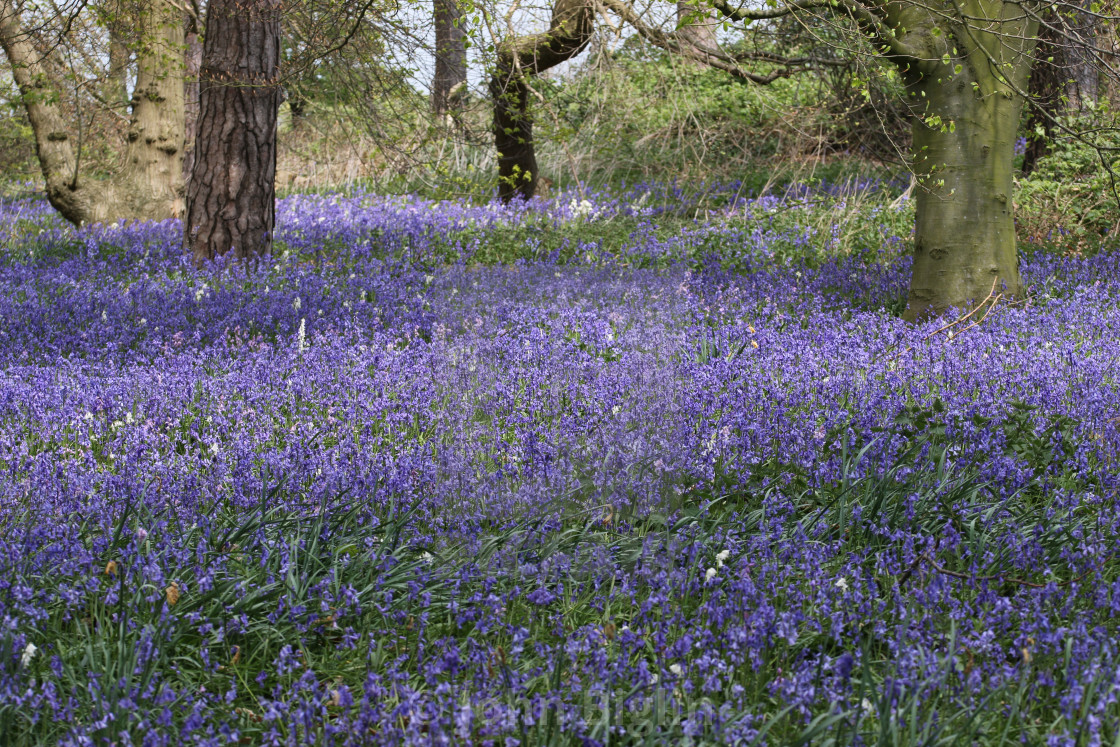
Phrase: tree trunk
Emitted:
{"points": [[117, 84], [965, 230], [1065, 79], [695, 27], [148, 186], [569, 32], [155, 135], [451, 57], [193, 64], [513, 137], [1083, 75], [963, 146], [1045, 90], [231, 199]]}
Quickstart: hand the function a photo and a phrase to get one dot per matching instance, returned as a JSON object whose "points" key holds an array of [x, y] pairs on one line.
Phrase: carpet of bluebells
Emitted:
{"points": [[646, 467]]}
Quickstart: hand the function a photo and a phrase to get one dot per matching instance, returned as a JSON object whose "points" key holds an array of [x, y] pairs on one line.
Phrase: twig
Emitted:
{"points": [[988, 303], [995, 577]]}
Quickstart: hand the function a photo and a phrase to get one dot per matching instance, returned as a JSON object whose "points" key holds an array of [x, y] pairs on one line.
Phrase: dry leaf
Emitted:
{"points": [[173, 593], [111, 568]]}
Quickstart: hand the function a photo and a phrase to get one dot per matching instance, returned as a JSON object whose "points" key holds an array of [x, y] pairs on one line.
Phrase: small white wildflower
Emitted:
{"points": [[653, 679], [580, 209], [28, 654], [297, 304], [842, 584], [710, 574], [301, 336], [426, 557], [722, 557], [867, 706], [615, 410], [676, 670]]}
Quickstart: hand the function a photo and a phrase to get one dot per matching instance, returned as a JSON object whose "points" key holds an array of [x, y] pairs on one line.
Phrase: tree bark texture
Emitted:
{"points": [[148, 186], [117, 83], [451, 57], [569, 32], [231, 199], [695, 26], [967, 101]]}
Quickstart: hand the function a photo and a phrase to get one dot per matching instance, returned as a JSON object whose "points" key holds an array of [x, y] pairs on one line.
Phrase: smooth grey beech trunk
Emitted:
{"points": [[148, 185], [966, 86], [965, 65], [964, 237], [231, 198]]}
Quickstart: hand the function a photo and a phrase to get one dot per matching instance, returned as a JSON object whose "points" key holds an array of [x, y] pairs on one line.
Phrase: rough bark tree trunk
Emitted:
{"points": [[148, 185], [569, 32], [451, 56], [231, 199]]}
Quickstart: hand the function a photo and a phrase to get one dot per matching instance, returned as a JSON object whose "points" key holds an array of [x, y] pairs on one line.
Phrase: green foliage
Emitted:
{"points": [[17, 143], [1070, 200], [631, 117]]}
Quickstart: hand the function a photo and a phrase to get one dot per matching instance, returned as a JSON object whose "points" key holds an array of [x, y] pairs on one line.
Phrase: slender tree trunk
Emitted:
{"points": [[1083, 73], [231, 199], [148, 186], [569, 32], [451, 56], [1045, 89], [1065, 79]]}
